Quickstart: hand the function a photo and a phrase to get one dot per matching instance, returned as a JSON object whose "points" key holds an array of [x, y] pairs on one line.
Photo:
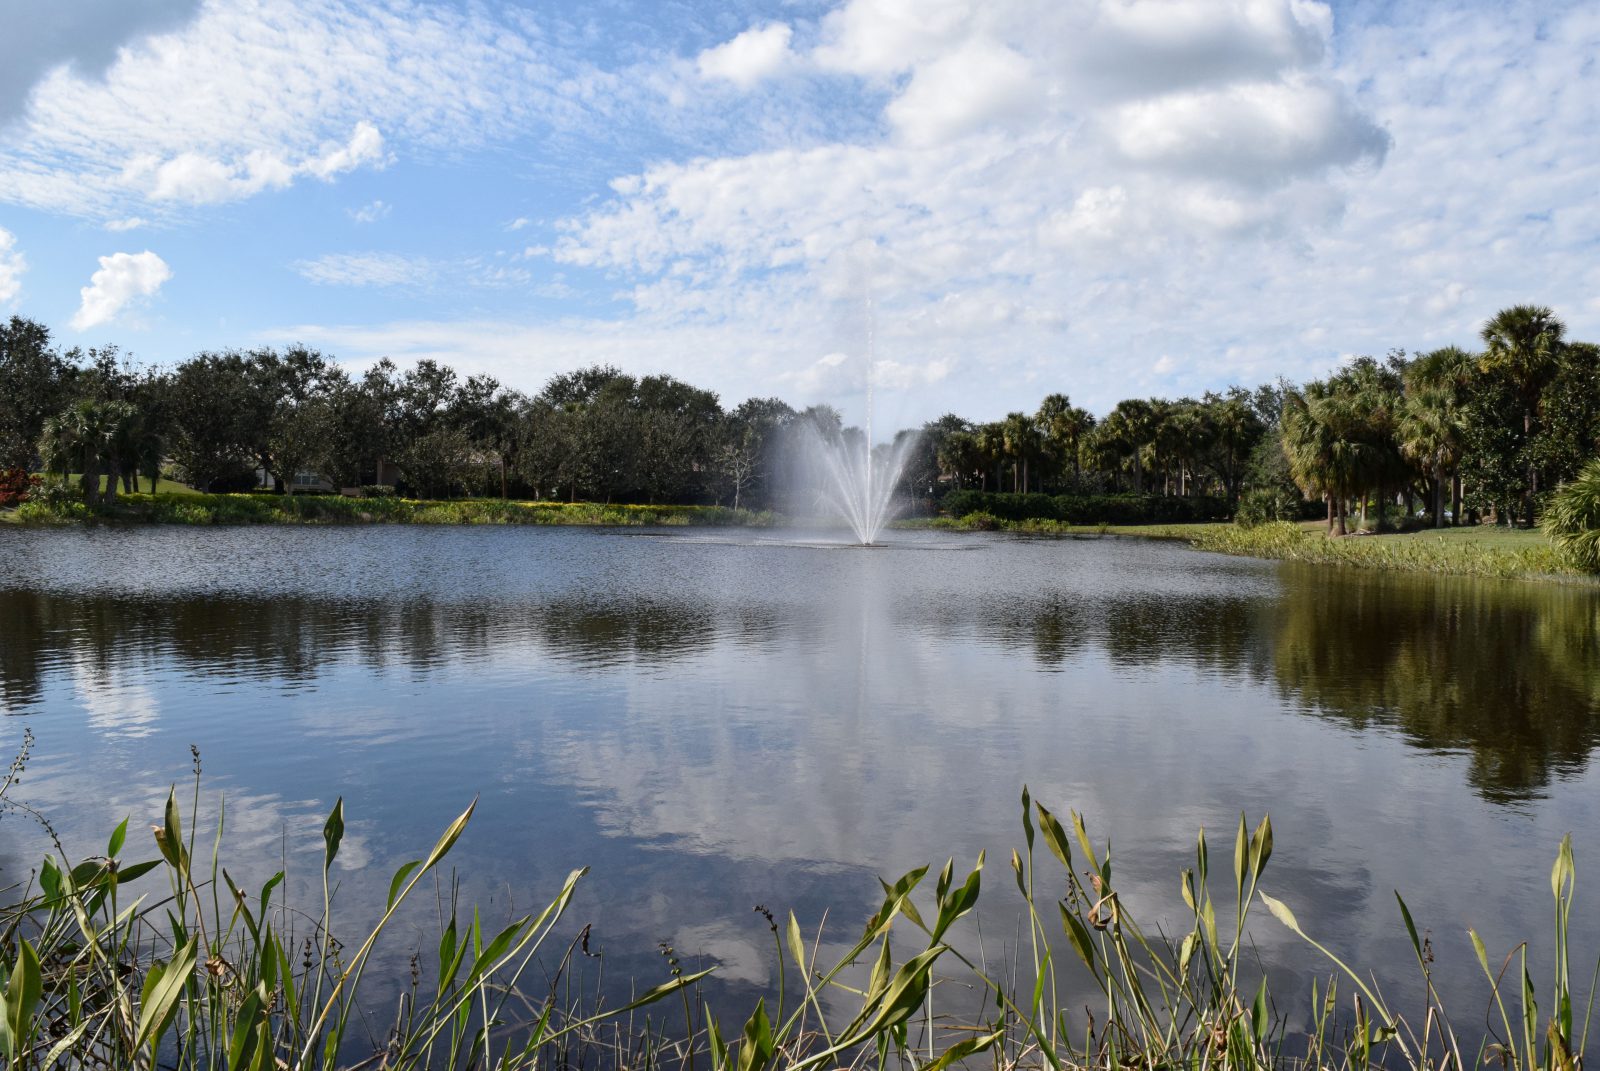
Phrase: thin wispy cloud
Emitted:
{"points": [[367, 269], [397, 271], [12, 265], [372, 212], [246, 99]]}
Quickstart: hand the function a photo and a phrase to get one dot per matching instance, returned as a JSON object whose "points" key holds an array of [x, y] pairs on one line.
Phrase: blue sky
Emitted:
{"points": [[1103, 197]]}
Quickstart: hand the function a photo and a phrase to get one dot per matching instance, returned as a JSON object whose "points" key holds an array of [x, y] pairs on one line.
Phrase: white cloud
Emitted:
{"points": [[979, 86], [1037, 195], [756, 54], [195, 178], [371, 212], [367, 269], [12, 265], [247, 98], [132, 223], [123, 278], [881, 37], [1075, 192], [364, 147], [1258, 133]]}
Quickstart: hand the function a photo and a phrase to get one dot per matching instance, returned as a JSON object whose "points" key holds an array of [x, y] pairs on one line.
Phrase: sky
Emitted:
{"points": [[980, 202]]}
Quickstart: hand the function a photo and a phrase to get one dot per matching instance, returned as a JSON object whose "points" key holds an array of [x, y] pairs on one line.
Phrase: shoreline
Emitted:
{"points": [[196, 509], [1483, 552], [1493, 553]]}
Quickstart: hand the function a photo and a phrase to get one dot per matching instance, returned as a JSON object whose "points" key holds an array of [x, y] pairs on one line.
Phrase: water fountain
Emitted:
{"points": [[857, 482], [860, 483]]}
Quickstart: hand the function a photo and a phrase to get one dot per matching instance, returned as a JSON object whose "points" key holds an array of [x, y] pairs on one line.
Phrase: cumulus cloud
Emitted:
{"points": [[1040, 173], [123, 278], [998, 143], [1105, 197], [981, 85], [1259, 133], [758, 53], [12, 265]]}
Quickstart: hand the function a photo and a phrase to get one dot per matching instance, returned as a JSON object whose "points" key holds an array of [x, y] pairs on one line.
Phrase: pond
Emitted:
{"points": [[713, 721]]}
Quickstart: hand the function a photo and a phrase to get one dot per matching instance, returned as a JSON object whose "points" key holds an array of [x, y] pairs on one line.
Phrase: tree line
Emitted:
{"points": [[1459, 432]]}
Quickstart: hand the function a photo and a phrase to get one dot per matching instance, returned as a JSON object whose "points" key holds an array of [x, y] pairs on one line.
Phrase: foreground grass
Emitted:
{"points": [[94, 974], [206, 509]]}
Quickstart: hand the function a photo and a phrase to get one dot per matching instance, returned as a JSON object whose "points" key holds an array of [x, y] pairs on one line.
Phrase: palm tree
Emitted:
{"points": [[1430, 435], [93, 437], [991, 443], [1326, 438], [959, 456], [1233, 430], [1373, 392], [1131, 425], [1573, 520], [1447, 374], [1432, 427], [1022, 444], [1522, 343]]}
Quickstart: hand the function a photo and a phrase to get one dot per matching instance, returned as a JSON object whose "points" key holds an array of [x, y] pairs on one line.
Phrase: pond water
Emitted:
{"points": [[715, 721]]}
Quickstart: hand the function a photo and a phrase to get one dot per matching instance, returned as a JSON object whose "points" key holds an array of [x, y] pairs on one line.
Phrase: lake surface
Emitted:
{"points": [[715, 721]]}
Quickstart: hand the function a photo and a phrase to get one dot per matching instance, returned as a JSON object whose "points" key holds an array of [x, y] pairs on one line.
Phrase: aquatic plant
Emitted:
{"points": [[97, 971]]}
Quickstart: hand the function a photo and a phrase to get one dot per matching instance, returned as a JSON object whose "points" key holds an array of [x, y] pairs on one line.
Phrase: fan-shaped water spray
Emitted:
{"points": [[856, 482]]}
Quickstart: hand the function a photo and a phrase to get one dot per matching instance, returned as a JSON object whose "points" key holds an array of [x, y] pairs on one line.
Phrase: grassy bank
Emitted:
{"points": [[199, 973], [1478, 551], [203, 509], [1485, 551]]}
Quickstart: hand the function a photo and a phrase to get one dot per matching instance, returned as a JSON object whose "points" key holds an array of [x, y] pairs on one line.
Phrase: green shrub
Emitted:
{"points": [[1089, 509], [1572, 520], [1266, 504]]}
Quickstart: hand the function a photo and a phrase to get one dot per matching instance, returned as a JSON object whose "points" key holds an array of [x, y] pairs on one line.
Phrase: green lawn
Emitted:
{"points": [[164, 486], [1487, 536]]}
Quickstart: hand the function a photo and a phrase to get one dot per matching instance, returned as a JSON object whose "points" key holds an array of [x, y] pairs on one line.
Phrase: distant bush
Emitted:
{"points": [[377, 490], [1264, 505], [1572, 520], [1089, 509]]}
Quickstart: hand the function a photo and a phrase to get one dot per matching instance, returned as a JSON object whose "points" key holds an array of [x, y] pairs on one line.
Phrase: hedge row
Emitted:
{"points": [[1089, 509]]}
